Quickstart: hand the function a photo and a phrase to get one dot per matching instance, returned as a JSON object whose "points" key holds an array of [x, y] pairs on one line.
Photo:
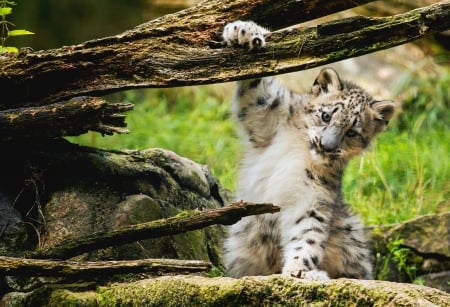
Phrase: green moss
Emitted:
{"points": [[248, 291], [186, 214], [62, 297], [191, 245], [155, 293]]}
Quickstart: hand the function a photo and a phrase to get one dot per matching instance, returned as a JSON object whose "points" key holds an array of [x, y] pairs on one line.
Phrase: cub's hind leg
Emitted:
{"points": [[348, 250], [253, 247]]}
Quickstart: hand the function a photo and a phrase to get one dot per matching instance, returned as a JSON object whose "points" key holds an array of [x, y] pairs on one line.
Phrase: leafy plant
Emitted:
{"points": [[382, 266], [403, 259], [216, 271], [6, 33], [400, 256]]}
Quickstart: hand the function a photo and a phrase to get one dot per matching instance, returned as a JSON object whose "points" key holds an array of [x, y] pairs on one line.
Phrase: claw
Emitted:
{"points": [[298, 275], [257, 42]]}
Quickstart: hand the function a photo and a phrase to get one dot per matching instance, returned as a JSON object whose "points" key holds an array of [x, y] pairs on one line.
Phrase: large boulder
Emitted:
{"points": [[136, 187], [74, 191]]}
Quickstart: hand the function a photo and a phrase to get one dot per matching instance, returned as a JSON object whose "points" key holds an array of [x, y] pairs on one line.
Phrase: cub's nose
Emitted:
{"points": [[329, 143], [328, 146], [330, 139]]}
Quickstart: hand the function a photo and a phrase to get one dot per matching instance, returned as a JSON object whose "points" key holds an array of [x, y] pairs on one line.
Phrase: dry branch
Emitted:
{"points": [[73, 117], [179, 224], [35, 267]]}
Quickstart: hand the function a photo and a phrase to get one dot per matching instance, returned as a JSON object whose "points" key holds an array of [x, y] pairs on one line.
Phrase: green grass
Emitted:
{"points": [[193, 122], [403, 175], [407, 172]]}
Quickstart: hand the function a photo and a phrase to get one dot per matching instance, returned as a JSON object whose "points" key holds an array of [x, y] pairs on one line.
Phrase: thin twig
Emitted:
{"points": [[186, 221]]}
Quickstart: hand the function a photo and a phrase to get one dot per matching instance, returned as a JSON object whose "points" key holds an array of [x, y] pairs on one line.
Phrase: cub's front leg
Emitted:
{"points": [[259, 104]]}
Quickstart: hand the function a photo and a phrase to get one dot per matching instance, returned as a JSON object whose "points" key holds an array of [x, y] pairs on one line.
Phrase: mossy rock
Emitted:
{"points": [[223, 291], [423, 243], [73, 191]]}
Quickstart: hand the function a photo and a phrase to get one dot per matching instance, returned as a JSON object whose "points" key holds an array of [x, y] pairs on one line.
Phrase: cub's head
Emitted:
{"points": [[342, 118]]}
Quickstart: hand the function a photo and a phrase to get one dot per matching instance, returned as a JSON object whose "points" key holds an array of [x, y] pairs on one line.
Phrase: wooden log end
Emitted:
{"points": [[109, 130]]}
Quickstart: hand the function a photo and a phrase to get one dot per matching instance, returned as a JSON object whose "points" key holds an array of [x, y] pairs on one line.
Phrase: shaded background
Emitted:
{"points": [[67, 22]]}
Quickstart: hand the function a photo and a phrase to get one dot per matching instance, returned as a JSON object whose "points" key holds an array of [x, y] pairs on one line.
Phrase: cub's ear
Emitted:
{"points": [[327, 81], [384, 110]]}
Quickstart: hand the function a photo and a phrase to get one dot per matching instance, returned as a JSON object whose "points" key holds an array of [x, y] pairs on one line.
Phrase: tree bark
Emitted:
{"points": [[73, 117], [36, 267], [182, 49], [179, 224]]}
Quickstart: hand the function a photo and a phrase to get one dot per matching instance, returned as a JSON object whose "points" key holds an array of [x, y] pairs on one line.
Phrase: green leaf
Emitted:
{"points": [[19, 32], [5, 11], [9, 49], [12, 49]]}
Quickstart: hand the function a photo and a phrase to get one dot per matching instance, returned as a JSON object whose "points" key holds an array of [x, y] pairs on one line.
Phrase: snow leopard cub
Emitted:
{"points": [[296, 149]]}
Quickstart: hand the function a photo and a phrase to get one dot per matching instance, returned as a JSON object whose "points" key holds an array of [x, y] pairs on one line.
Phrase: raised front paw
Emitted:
{"points": [[244, 33]]}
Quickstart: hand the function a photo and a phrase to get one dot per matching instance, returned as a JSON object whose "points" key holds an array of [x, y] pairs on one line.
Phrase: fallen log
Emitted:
{"points": [[38, 267], [70, 118], [184, 49]]}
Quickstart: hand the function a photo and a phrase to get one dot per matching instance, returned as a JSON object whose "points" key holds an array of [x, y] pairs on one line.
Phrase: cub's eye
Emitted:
{"points": [[351, 133], [326, 117]]}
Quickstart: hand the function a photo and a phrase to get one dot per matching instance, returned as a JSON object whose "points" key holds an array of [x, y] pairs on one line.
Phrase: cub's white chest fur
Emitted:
{"points": [[276, 173]]}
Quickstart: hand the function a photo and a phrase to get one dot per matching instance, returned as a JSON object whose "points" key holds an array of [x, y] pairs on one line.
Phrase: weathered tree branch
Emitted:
{"points": [[73, 117], [179, 224], [179, 49], [36, 267]]}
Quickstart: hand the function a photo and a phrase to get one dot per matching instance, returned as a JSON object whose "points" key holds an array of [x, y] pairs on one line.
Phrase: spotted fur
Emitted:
{"points": [[296, 147]]}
